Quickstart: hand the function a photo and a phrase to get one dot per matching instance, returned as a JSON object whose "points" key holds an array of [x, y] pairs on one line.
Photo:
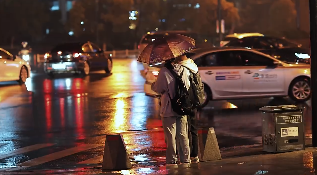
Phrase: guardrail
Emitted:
{"points": [[114, 54]]}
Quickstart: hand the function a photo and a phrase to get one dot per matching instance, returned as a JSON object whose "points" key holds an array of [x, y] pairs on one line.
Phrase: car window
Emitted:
{"points": [[281, 43], [254, 59], [222, 58], [4, 55], [95, 48], [261, 44], [245, 42], [86, 48], [67, 47]]}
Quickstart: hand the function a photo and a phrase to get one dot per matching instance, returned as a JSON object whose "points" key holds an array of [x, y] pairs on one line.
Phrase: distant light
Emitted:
{"points": [[82, 22], [148, 32], [132, 26], [156, 29], [47, 31], [163, 20], [133, 15], [189, 5], [54, 8], [71, 33], [197, 6], [261, 172]]}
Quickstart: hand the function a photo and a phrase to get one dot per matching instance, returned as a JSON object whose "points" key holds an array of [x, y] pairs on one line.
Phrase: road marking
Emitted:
{"points": [[95, 160], [25, 149], [58, 155]]}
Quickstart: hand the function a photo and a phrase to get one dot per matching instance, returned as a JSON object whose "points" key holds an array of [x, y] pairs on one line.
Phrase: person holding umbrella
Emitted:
{"points": [[172, 50]]}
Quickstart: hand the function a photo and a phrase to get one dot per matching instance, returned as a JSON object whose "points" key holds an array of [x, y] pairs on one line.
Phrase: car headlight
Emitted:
{"points": [[26, 57], [302, 55]]}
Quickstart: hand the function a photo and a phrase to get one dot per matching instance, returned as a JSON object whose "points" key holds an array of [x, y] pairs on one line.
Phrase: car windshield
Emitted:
{"points": [[70, 47], [282, 42]]}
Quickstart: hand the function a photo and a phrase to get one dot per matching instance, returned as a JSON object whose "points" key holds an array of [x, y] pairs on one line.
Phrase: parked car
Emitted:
{"points": [[235, 73], [13, 67], [77, 58], [279, 48]]}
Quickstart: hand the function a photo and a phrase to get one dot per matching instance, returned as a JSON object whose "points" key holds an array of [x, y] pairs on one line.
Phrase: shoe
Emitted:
{"points": [[194, 159]]}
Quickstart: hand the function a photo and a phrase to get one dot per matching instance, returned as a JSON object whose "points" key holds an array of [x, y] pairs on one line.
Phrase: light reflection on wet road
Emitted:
{"points": [[70, 111]]}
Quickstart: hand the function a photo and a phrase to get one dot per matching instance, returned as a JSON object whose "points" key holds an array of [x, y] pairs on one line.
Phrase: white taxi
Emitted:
{"points": [[13, 67], [232, 73]]}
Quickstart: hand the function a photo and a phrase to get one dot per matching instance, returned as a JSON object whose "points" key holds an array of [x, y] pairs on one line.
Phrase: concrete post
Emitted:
{"points": [[313, 64]]}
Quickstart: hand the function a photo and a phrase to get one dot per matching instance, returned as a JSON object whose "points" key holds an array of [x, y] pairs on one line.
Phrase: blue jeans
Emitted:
{"points": [[176, 130]]}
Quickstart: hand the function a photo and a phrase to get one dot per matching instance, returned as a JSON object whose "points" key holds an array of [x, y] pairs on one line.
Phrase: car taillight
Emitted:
{"points": [[155, 73], [76, 55]]}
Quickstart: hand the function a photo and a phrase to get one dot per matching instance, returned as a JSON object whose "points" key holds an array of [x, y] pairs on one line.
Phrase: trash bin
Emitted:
{"points": [[282, 128]]}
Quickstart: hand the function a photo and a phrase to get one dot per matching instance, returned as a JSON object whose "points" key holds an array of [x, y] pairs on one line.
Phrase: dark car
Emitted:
{"points": [[77, 58], [279, 48]]}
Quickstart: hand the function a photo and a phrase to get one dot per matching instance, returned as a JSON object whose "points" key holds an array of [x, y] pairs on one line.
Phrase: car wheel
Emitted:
{"points": [[23, 74], [300, 90], [86, 69], [207, 96], [108, 69]]}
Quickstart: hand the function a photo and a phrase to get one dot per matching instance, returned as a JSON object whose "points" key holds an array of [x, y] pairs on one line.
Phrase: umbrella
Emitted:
{"points": [[166, 48]]}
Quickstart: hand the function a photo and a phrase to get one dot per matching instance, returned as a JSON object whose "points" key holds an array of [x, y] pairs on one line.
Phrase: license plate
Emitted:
{"points": [[58, 66]]}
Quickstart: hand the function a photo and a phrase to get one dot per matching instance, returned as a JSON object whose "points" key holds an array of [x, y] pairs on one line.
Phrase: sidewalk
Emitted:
{"points": [[297, 163], [291, 163]]}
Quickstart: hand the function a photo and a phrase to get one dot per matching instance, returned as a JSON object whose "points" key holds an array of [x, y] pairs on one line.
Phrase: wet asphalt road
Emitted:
{"points": [[61, 122]]}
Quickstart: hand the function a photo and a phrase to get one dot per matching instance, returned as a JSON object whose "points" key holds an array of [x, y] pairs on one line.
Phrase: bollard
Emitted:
{"points": [[38, 58], [115, 156], [208, 146], [126, 52]]}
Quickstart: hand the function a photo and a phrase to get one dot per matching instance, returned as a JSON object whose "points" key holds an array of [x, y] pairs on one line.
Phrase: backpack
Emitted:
{"points": [[197, 87], [185, 101]]}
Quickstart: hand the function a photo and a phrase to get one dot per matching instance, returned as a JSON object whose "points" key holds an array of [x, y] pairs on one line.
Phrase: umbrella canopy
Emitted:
{"points": [[166, 48]]}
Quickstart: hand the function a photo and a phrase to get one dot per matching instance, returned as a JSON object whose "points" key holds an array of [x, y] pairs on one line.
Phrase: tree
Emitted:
{"points": [[107, 17], [179, 15], [282, 15], [149, 15], [23, 18], [254, 15], [117, 13], [82, 19], [206, 15]]}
